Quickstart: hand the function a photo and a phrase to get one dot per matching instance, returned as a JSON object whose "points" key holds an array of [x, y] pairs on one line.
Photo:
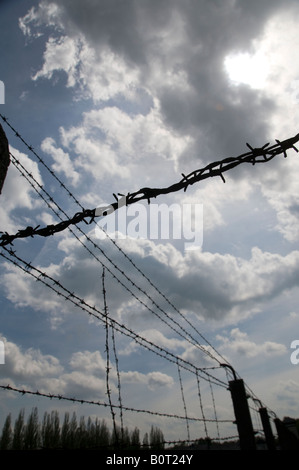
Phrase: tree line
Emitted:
{"points": [[72, 433]]}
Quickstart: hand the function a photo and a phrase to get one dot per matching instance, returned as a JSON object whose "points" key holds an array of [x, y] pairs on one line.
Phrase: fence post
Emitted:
{"points": [[287, 440], [242, 413], [270, 441], [4, 157]]}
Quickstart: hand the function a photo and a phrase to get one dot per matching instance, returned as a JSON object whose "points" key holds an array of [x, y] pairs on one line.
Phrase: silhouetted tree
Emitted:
{"points": [[73, 432], [81, 434], [135, 438], [102, 434], [32, 431], [156, 438], [145, 441], [6, 437], [65, 431], [126, 440], [94, 434], [46, 431], [18, 434], [55, 429]]}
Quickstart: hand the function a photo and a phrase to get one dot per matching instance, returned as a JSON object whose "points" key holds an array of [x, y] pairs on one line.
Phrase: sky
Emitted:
{"points": [[119, 95]]}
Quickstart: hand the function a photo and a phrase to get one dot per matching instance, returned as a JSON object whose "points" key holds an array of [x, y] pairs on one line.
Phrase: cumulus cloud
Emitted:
{"points": [[169, 51], [17, 194], [82, 376], [210, 285], [153, 380], [239, 344], [63, 163], [159, 101], [287, 392], [28, 365]]}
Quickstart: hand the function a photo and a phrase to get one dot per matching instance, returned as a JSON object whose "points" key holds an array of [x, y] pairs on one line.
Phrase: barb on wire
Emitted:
{"points": [[60, 290], [29, 177], [105, 405], [201, 404], [183, 331], [108, 359], [256, 155], [214, 407], [118, 380], [184, 401]]}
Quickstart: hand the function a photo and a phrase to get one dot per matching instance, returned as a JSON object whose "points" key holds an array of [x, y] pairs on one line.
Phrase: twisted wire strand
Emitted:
{"points": [[256, 155], [29, 176], [201, 405], [118, 380], [184, 401], [105, 405], [96, 313], [108, 357], [189, 337], [214, 407]]}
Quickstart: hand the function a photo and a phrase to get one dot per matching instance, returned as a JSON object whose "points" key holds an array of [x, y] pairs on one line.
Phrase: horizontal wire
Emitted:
{"points": [[211, 170], [95, 312], [191, 340], [106, 405]]}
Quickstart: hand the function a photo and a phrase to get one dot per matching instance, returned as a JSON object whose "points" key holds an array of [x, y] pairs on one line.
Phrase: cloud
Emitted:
{"points": [[280, 189], [29, 365], [18, 196], [175, 53], [153, 380], [149, 78], [239, 344], [287, 392], [62, 160], [210, 285]]}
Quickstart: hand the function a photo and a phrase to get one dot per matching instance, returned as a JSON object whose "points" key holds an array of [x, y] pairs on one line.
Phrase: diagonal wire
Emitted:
{"points": [[96, 313], [256, 155], [193, 341]]}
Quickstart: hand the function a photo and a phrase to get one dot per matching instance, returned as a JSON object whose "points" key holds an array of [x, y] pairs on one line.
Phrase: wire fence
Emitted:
{"points": [[179, 324]]}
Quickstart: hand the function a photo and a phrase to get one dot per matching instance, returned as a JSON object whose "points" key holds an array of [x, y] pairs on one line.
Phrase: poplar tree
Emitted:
{"points": [[18, 433], [6, 437], [32, 431]]}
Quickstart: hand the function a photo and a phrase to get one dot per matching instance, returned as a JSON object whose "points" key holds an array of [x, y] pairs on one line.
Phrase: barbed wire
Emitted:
{"points": [[256, 155], [118, 379], [107, 355], [213, 169], [28, 176], [105, 405], [31, 149], [41, 276], [214, 407], [201, 404], [183, 399]]}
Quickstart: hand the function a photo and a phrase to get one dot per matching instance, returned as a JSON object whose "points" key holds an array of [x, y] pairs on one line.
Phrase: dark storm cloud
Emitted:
{"points": [[221, 118]]}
